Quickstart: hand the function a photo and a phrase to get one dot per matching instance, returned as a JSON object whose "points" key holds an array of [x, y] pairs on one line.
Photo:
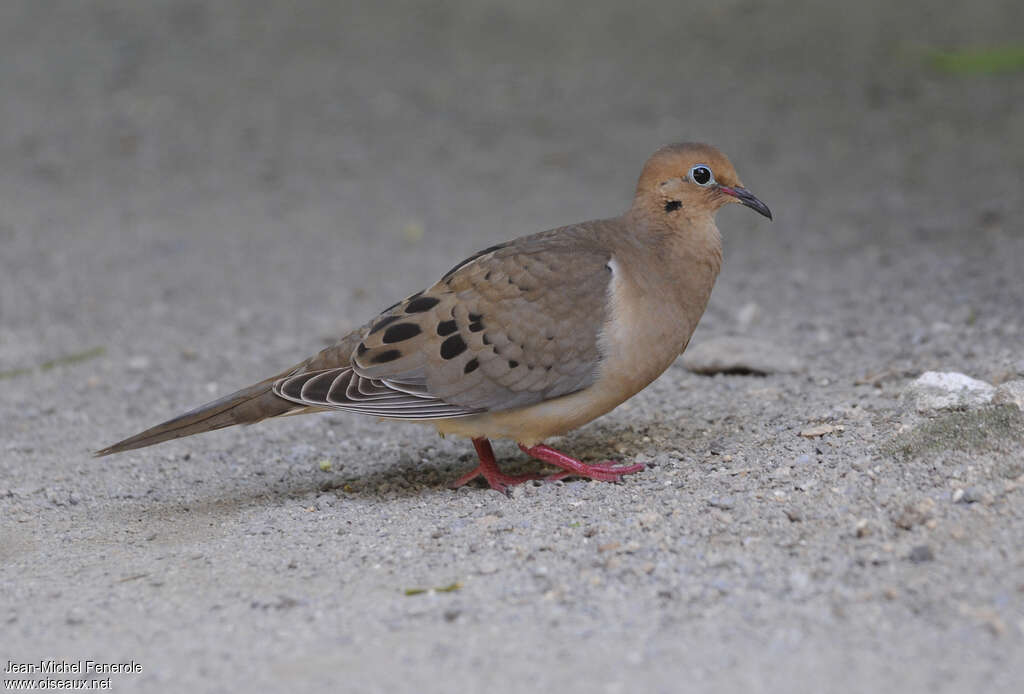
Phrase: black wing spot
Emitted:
{"points": [[453, 347], [386, 356], [476, 327], [473, 257], [446, 327], [673, 205], [487, 340], [512, 363], [471, 366], [421, 304], [383, 323], [475, 317], [402, 331]]}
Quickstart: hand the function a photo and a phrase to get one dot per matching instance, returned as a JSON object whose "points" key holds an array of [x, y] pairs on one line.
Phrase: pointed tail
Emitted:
{"points": [[245, 406]]}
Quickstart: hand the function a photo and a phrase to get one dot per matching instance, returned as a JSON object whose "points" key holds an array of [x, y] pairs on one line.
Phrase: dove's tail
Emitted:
{"points": [[245, 406]]}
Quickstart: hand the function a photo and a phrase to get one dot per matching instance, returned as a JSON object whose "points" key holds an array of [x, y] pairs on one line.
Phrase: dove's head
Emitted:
{"points": [[690, 180]]}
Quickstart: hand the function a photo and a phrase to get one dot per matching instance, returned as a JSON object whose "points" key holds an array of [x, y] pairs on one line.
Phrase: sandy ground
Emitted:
{"points": [[194, 196]]}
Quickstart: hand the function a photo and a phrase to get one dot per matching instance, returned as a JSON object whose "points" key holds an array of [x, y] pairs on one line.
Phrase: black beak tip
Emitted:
{"points": [[747, 199]]}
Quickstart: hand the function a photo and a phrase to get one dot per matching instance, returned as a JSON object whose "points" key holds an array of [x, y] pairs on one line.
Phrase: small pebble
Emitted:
{"points": [[934, 391], [722, 502], [921, 553], [914, 514], [649, 519], [738, 355], [137, 363], [799, 580], [1011, 393], [974, 495]]}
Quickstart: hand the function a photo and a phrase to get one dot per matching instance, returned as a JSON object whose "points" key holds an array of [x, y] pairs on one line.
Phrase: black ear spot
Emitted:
{"points": [[361, 349], [673, 205], [421, 304]]}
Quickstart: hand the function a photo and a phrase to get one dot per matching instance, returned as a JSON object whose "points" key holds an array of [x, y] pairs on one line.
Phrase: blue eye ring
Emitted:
{"points": [[701, 175]]}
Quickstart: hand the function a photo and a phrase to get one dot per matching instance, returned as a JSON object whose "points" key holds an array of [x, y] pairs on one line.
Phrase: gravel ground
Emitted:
{"points": [[197, 195]]}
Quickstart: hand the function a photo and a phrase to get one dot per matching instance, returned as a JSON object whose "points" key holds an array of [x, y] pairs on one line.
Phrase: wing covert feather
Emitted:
{"points": [[513, 325], [509, 327]]}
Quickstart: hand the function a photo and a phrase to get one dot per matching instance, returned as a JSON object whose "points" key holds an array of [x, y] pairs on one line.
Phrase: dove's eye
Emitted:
{"points": [[701, 175]]}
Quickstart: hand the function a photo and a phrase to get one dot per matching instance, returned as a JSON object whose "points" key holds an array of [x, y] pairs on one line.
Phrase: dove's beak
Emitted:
{"points": [[747, 199]]}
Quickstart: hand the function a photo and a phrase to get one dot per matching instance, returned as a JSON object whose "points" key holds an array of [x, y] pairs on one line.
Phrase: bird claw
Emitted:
{"points": [[498, 481], [606, 471]]}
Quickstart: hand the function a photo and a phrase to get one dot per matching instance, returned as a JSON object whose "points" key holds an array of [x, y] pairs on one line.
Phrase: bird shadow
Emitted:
{"points": [[400, 481]]}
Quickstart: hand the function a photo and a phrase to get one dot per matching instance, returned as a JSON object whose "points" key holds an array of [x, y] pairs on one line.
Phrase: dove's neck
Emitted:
{"points": [[660, 285], [684, 257]]}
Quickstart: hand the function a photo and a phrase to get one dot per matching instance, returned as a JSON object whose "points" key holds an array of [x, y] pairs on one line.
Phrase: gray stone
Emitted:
{"points": [[1010, 393], [974, 495], [739, 355], [722, 502], [934, 391], [921, 553]]}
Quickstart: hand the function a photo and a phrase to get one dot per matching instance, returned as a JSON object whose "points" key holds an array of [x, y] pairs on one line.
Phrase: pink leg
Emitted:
{"points": [[606, 472], [488, 469]]}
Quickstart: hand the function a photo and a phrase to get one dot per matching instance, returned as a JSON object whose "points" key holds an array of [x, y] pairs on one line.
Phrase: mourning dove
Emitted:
{"points": [[527, 339]]}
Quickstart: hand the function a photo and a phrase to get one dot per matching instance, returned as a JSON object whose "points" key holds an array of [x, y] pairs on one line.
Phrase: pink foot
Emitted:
{"points": [[488, 469], [607, 471]]}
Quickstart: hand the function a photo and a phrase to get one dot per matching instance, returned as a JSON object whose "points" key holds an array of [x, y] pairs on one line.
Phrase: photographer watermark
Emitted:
{"points": [[65, 674]]}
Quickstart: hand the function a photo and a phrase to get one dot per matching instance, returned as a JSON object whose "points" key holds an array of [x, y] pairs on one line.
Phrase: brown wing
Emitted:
{"points": [[511, 326]]}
